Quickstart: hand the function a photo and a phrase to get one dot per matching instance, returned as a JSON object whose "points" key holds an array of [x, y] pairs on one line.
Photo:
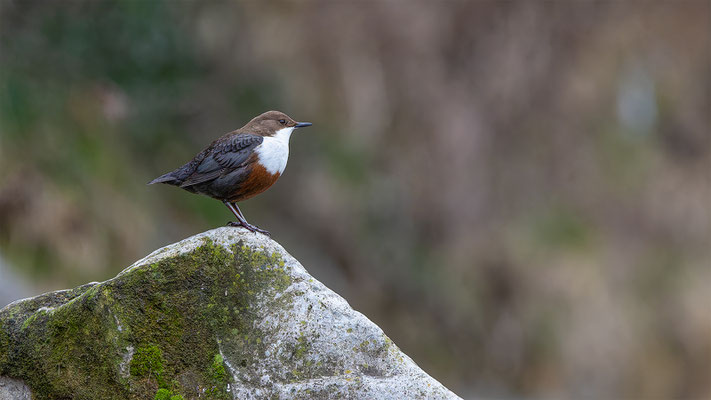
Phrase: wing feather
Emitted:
{"points": [[223, 157]]}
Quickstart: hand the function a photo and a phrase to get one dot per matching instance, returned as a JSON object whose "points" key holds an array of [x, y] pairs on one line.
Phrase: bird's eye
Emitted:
{"points": [[282, 121]]}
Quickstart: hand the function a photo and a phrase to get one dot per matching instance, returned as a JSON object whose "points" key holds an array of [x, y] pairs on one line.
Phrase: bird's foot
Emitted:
{"points": [[249, 227]]}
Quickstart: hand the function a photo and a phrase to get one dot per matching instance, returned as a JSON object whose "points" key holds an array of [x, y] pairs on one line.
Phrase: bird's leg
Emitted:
{"points": [[247, 224], [239, 211], [242, 221]]}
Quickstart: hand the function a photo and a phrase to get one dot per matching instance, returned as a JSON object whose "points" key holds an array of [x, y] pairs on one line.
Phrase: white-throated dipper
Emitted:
{"points": [[239, 165]]}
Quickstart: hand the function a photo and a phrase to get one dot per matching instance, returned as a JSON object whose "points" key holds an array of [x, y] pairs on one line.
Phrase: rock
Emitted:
{"points": [[224, 314], [13, 389]]}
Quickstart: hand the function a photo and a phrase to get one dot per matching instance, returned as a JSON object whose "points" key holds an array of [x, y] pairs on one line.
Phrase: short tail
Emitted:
{"points": [[168, 178]]}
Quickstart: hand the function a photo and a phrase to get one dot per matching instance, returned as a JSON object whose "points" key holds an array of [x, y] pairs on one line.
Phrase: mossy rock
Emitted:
{"points": [[221, 315]]}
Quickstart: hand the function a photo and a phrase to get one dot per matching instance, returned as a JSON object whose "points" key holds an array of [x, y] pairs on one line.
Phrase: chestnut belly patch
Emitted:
{"points": [[257, 181]]}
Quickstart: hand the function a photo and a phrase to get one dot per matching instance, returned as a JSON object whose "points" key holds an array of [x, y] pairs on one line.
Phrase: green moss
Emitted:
{"points": [[218, 376], [178, 313], [217, 369], [302, 347], [163, 394], [4, 348], [148, 362], [31, 319]]}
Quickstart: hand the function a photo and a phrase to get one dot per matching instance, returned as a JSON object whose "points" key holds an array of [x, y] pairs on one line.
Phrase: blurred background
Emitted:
{"points": [[518, 193]]}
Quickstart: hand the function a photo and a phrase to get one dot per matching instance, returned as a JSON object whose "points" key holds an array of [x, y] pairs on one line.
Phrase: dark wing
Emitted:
{"points": [[223, 156]]}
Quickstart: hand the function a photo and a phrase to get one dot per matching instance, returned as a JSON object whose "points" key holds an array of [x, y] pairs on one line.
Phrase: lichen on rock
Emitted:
{"points": [[221, 315]]}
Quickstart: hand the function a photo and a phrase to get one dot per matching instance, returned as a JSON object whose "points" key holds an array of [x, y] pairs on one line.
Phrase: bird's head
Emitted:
{"points": [[272, 122]]}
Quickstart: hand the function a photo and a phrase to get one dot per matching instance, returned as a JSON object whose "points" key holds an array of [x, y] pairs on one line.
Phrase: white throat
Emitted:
{"points": [[283, 134], [274, 151]]}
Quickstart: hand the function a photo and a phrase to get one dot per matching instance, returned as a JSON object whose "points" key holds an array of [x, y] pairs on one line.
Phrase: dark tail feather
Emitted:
{"points": [[168, 178]]}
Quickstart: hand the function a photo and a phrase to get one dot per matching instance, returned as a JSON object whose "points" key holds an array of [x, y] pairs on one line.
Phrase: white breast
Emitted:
{"points": [[274, 151]]}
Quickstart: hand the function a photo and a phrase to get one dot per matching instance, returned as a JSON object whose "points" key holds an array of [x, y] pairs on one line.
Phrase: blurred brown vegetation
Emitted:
{"points": [[518, 193]]}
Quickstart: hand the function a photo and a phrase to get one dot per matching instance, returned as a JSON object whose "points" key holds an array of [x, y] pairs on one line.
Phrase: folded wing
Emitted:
{"points": [[221, 158]]}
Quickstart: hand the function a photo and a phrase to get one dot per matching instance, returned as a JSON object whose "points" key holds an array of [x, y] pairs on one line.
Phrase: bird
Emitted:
{"points": [[240, 164]]}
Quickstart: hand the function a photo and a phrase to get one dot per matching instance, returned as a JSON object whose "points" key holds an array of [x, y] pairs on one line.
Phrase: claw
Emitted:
{"points": [[249, 227]]}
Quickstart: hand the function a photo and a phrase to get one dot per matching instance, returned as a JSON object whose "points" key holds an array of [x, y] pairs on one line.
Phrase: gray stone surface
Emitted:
{"points": [[13, 389], [226, 314]]}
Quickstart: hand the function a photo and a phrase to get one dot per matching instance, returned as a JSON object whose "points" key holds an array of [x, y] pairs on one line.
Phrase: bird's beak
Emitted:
{"points": [[302, 124]]}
